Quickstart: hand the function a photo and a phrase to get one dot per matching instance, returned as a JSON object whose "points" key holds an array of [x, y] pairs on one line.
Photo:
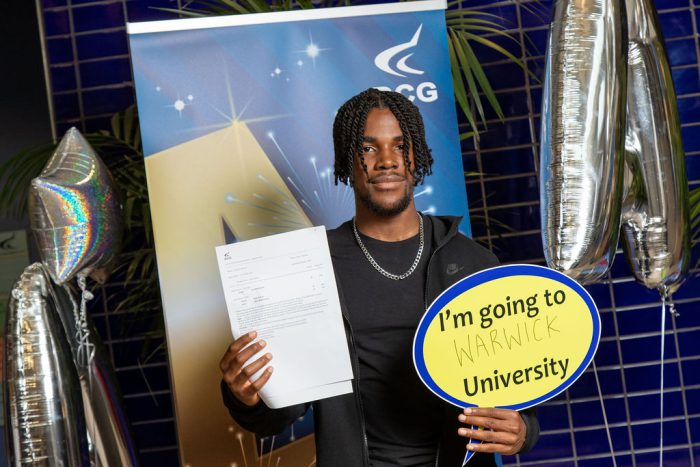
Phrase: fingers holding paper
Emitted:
{"points": [[238, 371], [504, 430]]}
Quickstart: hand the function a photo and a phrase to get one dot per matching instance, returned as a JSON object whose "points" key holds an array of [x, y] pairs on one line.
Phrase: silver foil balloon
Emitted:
{"points": [[655, 223], [581, 154], [42, 394], [75, 212], [109, 440]]}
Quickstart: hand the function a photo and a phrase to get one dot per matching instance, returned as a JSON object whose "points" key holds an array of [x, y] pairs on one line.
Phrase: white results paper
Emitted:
{"points": [[283, 287]]}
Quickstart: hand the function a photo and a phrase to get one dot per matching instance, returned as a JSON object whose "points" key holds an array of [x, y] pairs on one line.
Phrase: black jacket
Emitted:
{"points": [[339, 421]]}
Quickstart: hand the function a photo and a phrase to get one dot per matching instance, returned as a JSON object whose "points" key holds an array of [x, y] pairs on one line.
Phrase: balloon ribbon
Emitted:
{"points": [[86, 349], [605, 417]]}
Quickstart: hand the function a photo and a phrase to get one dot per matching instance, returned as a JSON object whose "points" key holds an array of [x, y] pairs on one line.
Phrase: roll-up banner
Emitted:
{"points": [[236, 118]]}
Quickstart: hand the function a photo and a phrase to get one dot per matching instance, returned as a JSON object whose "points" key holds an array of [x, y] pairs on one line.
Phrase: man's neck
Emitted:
{"points": [[388, 228]]}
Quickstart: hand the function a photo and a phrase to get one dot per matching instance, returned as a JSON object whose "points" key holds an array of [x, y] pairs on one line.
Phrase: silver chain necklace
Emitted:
{"points": [[381, 270]]}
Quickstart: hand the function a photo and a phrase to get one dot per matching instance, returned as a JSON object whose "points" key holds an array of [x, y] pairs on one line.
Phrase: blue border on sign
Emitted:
{"points": [[488, 275]]}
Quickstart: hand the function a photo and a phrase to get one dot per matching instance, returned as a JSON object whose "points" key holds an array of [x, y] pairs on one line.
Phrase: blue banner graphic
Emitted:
{"points": [[236, 119]]}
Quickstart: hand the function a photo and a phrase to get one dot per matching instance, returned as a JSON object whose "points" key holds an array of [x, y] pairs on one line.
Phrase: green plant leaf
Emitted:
{"points": [[469, 23], [116, 125], [501, 50], [187, 13], [462, 13], [228, 3], [258, 6], [217, 7], [458, 84], [467, 65], [481, 78], [129, 120], [17, 173], [146, 217]]}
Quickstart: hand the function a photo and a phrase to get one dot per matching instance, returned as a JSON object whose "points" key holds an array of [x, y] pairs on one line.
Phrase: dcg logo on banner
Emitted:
{"points": [[425, 91]]}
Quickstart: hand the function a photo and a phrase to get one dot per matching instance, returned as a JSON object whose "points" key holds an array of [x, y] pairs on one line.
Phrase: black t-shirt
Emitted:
{"points": [[402, 417]]}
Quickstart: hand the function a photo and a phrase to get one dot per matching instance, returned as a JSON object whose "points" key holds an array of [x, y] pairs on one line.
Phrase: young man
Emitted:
{"points": [[391, 262]]}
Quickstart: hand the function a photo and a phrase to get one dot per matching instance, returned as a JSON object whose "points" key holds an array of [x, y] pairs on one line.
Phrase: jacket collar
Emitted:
{"points": [[444, 228]]}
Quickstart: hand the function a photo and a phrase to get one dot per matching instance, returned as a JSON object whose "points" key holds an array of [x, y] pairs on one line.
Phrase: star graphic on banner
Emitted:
{"points": [[312, 50], [233, 113], [180, 104], [319, 194]]}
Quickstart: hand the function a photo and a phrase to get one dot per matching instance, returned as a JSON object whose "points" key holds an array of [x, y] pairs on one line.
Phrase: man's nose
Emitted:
{"points": [[389, 159]]}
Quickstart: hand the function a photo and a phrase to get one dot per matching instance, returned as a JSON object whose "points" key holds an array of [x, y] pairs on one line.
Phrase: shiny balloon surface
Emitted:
{"points": [[655, 222], [582, 137], [42, 393], [75, 213]]}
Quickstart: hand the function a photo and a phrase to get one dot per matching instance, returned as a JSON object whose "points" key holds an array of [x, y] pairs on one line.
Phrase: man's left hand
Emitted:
{"points": [[504, 430]]}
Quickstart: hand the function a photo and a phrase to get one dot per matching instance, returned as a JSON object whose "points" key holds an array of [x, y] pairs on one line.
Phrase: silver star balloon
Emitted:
{"points": [[75, 212]]}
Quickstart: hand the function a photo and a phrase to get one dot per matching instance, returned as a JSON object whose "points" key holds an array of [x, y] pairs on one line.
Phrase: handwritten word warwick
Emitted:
{"points": [[503, 339]]}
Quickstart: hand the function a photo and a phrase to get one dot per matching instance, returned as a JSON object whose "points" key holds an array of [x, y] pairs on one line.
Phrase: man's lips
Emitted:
{"points": [[387, 181]]}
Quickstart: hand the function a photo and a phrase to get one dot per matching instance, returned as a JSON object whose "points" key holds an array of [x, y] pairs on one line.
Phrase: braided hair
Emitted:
{"points": [[349, 127]]}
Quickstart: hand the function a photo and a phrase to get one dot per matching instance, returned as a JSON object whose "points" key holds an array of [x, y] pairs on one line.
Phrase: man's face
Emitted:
{"points": [[387, 187]]}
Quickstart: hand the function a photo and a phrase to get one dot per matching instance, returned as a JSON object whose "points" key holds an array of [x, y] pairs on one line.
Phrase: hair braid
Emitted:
{"points": [[404, 125]]}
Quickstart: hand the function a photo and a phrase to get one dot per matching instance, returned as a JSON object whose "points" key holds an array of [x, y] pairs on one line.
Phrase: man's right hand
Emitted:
{"points": [[237, 374]]}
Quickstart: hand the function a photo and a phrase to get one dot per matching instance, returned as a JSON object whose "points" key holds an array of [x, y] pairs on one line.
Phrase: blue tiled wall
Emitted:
{"points": [[91, 78]]}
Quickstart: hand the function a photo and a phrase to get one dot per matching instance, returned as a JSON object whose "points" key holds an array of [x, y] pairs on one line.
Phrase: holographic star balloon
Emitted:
{"points": [[75, 212]]}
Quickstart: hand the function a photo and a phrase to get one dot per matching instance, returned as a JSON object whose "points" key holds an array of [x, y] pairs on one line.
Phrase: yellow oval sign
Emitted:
{"points": [[511, 336]]}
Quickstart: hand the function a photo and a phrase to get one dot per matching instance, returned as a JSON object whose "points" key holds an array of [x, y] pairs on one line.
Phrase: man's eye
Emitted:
{"points": [[367, 148], [400, 147]]}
